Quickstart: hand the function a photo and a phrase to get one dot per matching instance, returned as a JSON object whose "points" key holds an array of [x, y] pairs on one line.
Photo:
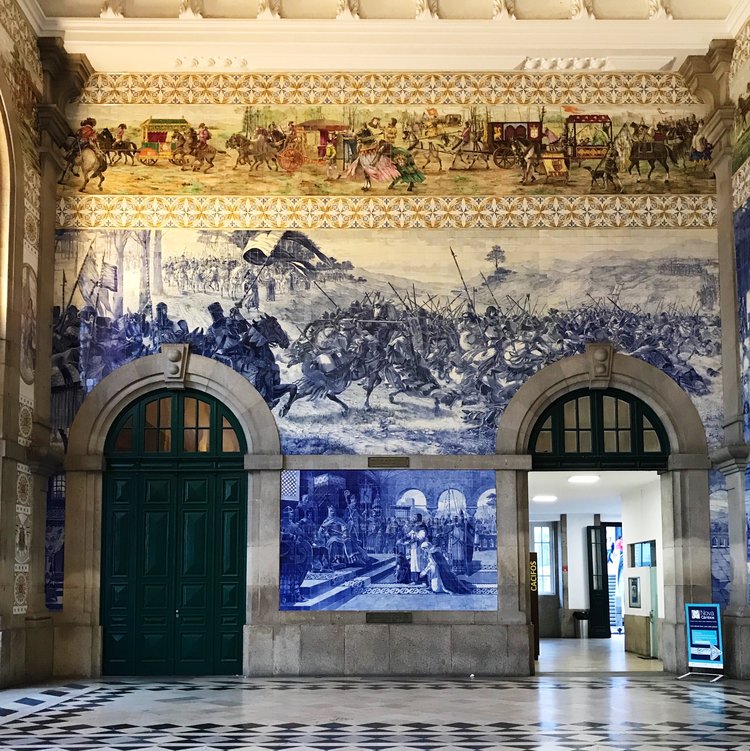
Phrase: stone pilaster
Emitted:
{"points": [[732, 462], [708, 77], [63, 78]]}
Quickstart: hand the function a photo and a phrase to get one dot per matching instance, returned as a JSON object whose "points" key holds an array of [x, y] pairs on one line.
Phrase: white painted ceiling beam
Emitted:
{"points": [[233, 44], [155, 45]]}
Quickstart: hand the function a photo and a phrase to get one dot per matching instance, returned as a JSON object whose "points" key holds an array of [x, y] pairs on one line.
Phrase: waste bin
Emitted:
{"points": [[581, 624]]}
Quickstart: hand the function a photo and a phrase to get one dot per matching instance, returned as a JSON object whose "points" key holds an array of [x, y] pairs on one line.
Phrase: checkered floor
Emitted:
{"points": [[642, 713]]}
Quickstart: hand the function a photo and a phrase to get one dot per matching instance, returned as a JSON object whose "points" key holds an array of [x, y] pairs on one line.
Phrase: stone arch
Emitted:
{"points": [[672, 405], [135, 379], [684, 487], [77, 627]]}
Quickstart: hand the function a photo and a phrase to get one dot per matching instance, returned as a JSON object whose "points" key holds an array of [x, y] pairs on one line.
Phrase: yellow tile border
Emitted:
{"points": [[388, 88], [231, 212]]}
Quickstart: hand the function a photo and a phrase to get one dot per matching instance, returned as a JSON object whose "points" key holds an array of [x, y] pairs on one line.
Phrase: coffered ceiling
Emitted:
{"points": [[357, 35]]}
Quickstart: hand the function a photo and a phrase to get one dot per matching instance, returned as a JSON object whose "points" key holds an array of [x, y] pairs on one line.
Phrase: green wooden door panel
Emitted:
{"points": [[173, 560], [118, 568], [196, 491], [155, 553], [230, 533], [157, 490], [230, 596], [194, 529], [120, 543]]}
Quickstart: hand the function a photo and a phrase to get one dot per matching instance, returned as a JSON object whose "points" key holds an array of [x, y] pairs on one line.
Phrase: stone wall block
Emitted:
{"points": [[420, 650], [286, 650], [520, 649], [321, 650], [366, 650], [478, 650], [258, 657]]}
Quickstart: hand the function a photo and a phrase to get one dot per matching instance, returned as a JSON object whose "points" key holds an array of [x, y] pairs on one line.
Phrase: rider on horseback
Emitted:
{"points": [[204, 136], [463, 141], [120, 135], [86, 137]]}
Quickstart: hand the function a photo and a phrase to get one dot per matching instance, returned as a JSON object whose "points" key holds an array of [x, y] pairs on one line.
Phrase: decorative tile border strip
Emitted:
{"points": [[741, 185], [231, 212], [20, 31], [387, 88], [741, 52]]}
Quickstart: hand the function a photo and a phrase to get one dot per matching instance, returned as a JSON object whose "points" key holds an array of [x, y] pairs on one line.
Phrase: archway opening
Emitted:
{"points": [[451, 502], [173, 538], [595, 530], [411, 502]]}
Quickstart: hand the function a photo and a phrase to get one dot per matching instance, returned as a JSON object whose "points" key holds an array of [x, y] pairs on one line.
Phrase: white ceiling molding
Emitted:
{"points": [[738, 17], [138, 45], [112, 9], [427, 10], [269, 10], [190, 10], [565, 63], [503, 10], [216, 64], [499, 41], [582, 10], [348, 10], [659, 10]]}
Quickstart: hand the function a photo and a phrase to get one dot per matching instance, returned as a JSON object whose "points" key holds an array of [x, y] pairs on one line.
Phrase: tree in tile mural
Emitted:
{"points": [[409, 343]]}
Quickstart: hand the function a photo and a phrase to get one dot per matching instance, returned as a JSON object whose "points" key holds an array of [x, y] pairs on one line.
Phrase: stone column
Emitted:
{"points": [[686, 555], [77, 628], [64, 77], [708, 76], [732, 461], [731, 458], [513, 564]]}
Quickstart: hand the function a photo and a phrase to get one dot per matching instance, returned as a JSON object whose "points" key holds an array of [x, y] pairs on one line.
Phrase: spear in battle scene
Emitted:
{"points": [[472, 307], [489, 289], [403, 302], [463, 281]]}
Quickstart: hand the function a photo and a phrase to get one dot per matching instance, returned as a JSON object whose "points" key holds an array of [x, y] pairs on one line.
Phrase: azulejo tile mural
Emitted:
{"points": [[388, 149], [411, 341], [388, 540]]}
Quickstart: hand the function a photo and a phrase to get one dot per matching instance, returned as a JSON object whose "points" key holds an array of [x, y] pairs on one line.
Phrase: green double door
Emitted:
{"points": [[173, 600]]}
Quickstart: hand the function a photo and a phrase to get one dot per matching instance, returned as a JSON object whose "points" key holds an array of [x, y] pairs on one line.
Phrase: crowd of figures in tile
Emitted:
{"points": [[335, 537], [459, 354], [334, 150]]}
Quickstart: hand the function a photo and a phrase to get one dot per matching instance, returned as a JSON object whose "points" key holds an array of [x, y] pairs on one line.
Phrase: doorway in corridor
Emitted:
{"points": [[595, 526], [174, 539]]}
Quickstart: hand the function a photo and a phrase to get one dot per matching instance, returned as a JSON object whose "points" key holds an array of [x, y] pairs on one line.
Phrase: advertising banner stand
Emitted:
{"points": [[704, 643]]}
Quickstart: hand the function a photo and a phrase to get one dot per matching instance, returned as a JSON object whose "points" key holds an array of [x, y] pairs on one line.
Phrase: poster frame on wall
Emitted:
{"points": [[704, 644]]}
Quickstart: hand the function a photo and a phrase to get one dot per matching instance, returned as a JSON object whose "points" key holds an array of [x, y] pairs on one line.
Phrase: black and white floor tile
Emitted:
{"points": [[638, 713]]}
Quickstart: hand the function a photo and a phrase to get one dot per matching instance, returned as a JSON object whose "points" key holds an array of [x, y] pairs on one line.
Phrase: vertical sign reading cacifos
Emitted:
{"points": [[534, 587]]}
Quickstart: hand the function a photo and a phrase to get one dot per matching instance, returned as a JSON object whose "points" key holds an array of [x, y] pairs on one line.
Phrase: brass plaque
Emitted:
{"points": [[388, 617], [388, 462]]}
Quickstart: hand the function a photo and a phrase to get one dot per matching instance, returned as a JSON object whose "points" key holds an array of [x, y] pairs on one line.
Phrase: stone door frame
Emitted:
{"points": [[686, 553], [77, 626]]}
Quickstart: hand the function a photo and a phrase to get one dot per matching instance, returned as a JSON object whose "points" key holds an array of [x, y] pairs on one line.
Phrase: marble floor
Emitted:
{"points": [[600, 656], [603, 713]]}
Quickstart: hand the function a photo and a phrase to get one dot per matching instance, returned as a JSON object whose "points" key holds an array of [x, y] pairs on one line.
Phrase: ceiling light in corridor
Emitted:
{"points": [[583, 479]]}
